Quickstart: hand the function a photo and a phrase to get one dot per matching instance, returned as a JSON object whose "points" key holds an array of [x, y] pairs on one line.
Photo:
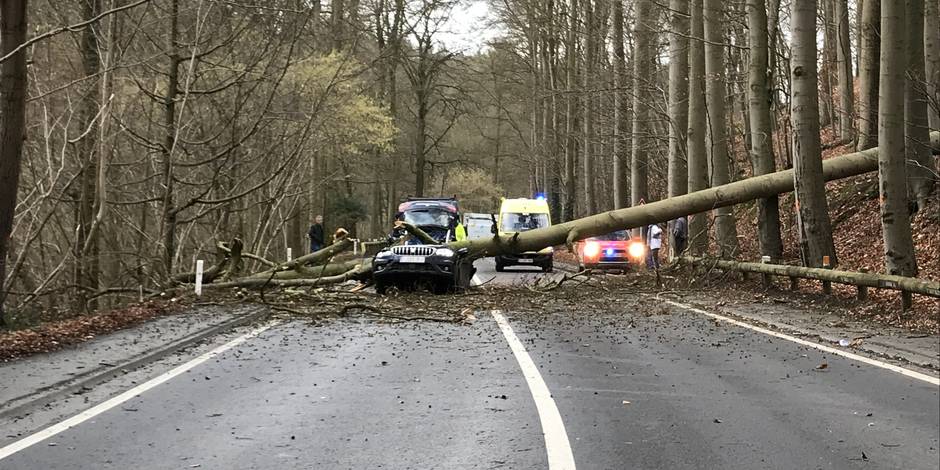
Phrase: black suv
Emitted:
{"points": [[416, 264]]}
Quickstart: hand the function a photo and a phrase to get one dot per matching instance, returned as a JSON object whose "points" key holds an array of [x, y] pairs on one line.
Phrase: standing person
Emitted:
{"points": [[680, 235], [315, 234], [655, 243]]}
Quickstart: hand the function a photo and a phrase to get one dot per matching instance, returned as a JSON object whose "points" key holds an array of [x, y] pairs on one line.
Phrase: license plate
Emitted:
{"points": [[412, 259], [525, 260]]}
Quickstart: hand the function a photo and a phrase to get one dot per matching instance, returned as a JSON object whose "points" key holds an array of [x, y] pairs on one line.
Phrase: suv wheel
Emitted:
{"points": [[380, 288]]}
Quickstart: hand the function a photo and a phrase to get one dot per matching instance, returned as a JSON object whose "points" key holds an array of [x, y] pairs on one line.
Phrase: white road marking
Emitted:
{"points": [[553, 428], [80, 418], [855, 357]]}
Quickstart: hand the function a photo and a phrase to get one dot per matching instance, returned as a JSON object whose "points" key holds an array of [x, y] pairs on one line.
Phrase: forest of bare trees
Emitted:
{"points": [[136, 134]]}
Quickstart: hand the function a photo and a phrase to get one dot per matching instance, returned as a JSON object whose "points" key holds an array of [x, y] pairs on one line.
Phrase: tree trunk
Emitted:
{"points": [[678, 172], [642, 59], [86, 272], [169, 140], [825, 76], [762, 153], [932, 52], [921, 171], [868, 76], [571, 145], [590, 56], [895, 219], [815, 228], [697, 155], [621, 119], [844, 58], [421, 129], [13, 82], [725, 231]]}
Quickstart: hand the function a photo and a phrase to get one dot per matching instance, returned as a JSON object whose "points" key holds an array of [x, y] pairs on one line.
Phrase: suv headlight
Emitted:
{"points": [[445, 252], [383, 254]]}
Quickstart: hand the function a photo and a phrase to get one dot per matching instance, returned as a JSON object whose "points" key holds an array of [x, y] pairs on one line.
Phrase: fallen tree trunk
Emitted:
{"points": [[295, 273], [879, 281], [362, 271], [757, 187]]}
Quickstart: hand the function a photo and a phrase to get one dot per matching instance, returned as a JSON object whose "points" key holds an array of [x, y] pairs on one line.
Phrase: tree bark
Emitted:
{"points": [[169, 139], [678, 172], [587, 158], [86, 270], [726, 236], [571, 145], [815, 228], [762, 153], [895, 219], [844, 59], [868, 76], [697, 155], [921, 171], [621, 120], [642, 59], [932, 52], [13, 83], [825, 75]]}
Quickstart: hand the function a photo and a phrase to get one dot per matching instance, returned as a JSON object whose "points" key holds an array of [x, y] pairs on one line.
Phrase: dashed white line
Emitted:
{"points": [[855, 357], [124, 397], [553, 428]]}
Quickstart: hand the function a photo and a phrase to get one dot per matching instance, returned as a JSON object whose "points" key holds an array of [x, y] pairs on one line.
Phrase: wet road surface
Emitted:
{"points": [[650, 390]]}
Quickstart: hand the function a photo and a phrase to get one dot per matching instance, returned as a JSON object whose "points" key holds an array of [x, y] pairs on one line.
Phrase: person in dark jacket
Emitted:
{"points": [[315, 234], [680, 235]]}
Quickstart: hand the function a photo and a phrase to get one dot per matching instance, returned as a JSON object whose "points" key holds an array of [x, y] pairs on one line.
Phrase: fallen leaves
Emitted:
{"points": [[54, 335]]}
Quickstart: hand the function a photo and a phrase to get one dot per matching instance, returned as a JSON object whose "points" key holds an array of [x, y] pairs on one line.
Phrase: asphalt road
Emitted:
{"points": [[649, 391]]}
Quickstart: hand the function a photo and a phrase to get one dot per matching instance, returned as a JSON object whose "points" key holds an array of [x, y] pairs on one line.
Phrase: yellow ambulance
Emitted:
{"points": [[519, 215]]}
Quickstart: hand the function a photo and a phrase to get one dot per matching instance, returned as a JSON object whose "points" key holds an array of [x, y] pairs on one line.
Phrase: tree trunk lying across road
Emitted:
{"points": [[299, 272], [668, 209], [880, 281]]}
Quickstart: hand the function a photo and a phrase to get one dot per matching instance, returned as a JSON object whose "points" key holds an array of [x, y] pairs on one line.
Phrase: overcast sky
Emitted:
{"points": [[469, 27]]}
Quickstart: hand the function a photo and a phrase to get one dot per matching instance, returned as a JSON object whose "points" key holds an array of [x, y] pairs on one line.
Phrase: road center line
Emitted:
{"points": [[126, 396], [855, 357], [553, 428]]}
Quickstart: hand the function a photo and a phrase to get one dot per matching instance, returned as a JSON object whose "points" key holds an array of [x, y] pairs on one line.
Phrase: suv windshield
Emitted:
{"points": [[516, 222], [429, 217], [619, 235]]}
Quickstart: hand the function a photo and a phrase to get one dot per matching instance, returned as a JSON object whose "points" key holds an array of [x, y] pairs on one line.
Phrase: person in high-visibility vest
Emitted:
{"points": [[460, 233]]}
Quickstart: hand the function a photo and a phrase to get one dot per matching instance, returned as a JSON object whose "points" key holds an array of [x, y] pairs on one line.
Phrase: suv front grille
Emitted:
{"points": [[413, 250]]}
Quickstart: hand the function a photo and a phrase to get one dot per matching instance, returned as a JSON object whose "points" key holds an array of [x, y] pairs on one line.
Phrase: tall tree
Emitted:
{"points": [[13, 77], [571, 144], [591, 51], [621, 194], [895, 220], [642, 60], [815, 228], [921, 171], [844, 63], [932, 52], [868, 75], [725, 231], [762, 153], [697, 155], [85, 272], [678, 173]]}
